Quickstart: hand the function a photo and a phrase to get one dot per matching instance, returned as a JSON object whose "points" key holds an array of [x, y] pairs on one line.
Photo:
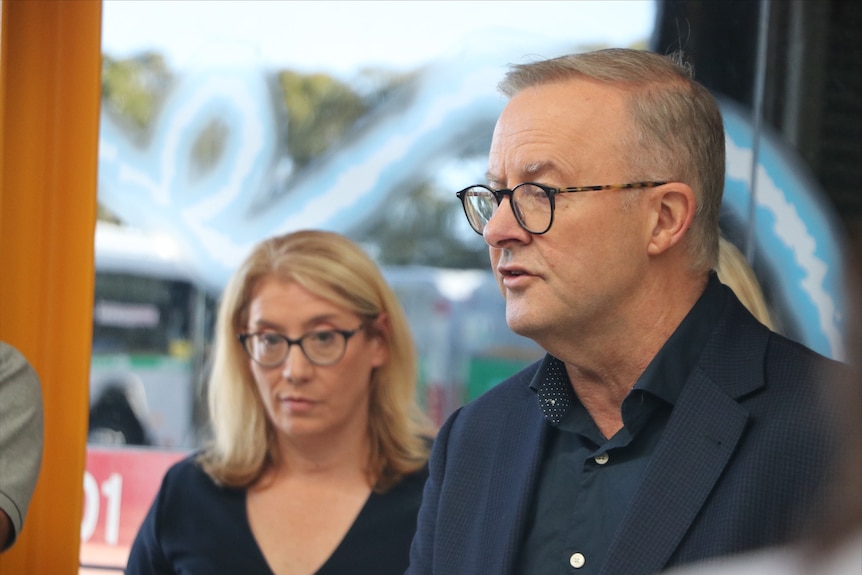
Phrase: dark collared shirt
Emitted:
{"points": [[587, 482]]}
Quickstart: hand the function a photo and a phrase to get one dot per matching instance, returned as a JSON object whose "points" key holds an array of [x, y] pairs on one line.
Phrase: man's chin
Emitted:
{"points": [[520, 324]]}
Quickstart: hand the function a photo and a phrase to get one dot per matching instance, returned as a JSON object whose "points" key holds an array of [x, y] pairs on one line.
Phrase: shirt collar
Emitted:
{"points": [[668, 371], [665, 375]]}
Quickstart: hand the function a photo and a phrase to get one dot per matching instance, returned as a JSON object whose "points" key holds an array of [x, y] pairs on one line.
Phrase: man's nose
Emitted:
{"points": [[503, 225]]}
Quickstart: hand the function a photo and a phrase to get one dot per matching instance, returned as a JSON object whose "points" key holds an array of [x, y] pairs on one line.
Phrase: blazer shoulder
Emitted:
{"points": [[743, 356], [782, 348], [499, 407]]}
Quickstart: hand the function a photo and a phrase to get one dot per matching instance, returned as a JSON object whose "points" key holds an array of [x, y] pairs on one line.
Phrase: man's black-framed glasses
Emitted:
{"points": [[532, 203], [322, 347]]}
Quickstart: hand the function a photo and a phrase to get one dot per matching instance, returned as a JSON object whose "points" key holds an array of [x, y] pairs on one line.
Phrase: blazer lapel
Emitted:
{"points": [[702, 434], [705, 429]]}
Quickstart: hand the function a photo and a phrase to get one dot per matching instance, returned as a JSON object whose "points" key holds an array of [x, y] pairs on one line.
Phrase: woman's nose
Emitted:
{"points": [[296, 366]]}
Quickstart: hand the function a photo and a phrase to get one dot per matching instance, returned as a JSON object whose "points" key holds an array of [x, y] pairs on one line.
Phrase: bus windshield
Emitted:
{"points": [[150, 336]]}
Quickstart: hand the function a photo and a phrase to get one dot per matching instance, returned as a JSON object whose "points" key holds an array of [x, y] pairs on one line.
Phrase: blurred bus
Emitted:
{"points": [[152, 324]]}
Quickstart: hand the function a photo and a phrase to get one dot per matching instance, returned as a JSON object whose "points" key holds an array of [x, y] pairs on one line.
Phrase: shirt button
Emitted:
{"points": [[577, 560], [602, 459]]}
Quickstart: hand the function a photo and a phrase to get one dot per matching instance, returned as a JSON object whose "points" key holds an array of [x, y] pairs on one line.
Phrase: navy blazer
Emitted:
{"points": [[736, 468]]}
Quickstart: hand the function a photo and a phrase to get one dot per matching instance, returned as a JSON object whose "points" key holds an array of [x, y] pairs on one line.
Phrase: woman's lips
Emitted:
{"points": [[297, 404]]}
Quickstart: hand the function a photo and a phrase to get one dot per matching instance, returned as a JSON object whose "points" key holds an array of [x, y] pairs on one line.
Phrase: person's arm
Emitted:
{"points": [[5, 529], [21, 421]]}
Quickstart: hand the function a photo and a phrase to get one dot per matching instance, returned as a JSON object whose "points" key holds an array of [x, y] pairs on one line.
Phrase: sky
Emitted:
{"points": [[339, 37]]}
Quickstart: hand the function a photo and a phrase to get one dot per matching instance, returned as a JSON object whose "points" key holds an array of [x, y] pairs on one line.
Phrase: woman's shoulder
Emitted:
{"points": [[186, 468], [187, 486], [187, 476]]}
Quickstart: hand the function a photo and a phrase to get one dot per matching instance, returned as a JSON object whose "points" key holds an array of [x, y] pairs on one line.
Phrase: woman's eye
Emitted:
{"points": [[269, 339], [323, 337]]}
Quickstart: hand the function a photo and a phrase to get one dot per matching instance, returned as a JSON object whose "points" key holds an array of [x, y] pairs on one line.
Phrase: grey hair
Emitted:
{"points": [[678, 132]]}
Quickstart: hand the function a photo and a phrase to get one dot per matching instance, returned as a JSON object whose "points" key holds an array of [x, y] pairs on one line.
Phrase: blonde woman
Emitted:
{"points": [[734, 271], [319, 451]]}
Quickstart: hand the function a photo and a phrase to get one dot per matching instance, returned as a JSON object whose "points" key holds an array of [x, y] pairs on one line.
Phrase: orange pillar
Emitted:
{"points": [[50, 85]]}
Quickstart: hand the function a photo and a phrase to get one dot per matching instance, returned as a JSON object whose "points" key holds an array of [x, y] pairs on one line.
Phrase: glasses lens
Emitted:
{"points": [[324, 347], [532, 206], [268, 349], [480, 204]]}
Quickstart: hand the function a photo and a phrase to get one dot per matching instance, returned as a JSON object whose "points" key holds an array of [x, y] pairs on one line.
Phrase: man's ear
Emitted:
{"points": [[674, 205]]}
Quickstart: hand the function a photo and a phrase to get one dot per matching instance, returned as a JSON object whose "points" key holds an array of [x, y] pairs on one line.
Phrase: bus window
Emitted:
{"points": [[150, 335]]}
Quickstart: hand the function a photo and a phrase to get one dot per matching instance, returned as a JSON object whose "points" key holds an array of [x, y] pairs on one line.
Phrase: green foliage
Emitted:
{"points": [[208, 147], [103, 214], [134, 88], [320, 110], [418, 227]]}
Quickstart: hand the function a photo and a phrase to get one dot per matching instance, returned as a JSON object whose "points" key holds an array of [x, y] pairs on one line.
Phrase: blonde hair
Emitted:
{"points": [[678, 132], [734, 272], [336, 269]]}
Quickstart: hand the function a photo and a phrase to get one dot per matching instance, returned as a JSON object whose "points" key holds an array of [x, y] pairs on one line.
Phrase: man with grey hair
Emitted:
{"points": [[665, 424]]}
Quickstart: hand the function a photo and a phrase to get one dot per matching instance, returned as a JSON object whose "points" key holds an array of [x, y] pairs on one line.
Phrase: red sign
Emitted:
{"points": [[119, 487]]}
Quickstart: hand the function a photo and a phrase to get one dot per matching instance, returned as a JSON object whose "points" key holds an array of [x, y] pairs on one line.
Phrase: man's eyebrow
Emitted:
{"points": [[493, 178], [536, 168], [531, 169]]}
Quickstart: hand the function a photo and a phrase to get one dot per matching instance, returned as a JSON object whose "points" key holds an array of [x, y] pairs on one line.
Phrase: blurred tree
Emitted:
{"points": [[208, 147], [132, 89], [103, 214], [320, 109], [419, 224], [422, 226]]}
